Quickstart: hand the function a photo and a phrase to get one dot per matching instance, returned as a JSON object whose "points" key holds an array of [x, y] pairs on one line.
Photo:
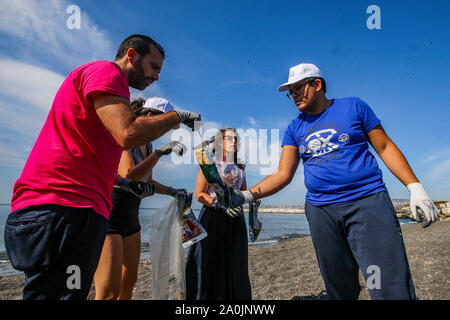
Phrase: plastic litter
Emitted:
{"points": [[254, 223], [206, 160]]}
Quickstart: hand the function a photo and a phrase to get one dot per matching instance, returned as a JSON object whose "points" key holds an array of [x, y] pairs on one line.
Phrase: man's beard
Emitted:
{"points": [[137, 79]]}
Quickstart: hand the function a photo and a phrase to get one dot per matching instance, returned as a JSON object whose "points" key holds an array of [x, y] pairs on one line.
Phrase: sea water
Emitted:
{"points": [[276, 227]]}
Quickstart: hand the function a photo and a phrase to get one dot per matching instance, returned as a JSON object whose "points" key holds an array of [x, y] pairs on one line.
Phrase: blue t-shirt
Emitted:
{"points": [[333, 146]]}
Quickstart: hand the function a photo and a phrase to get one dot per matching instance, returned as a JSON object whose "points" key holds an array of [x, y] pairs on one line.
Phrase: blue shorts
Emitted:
{"points": [[58, 249], [364, 234]]}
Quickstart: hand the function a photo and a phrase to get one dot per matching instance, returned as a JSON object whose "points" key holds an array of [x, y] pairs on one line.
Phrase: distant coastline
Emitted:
{"points": [[401, 206]]}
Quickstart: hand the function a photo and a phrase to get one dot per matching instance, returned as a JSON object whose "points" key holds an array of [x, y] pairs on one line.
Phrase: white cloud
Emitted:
{"points": [[440, 170], [154, 90], [27, 94], [12, 156], [40, 27], [252, 121], [32, 85], [444, 153]]}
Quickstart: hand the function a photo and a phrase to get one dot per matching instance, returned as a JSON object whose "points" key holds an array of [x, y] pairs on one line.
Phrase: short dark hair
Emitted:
{"points": [[312, 79], [140, 43]]}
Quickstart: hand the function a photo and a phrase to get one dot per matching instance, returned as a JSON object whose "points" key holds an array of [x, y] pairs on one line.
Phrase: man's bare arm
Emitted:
{"points": [[391, 155], [282, 177], [128, 130]]}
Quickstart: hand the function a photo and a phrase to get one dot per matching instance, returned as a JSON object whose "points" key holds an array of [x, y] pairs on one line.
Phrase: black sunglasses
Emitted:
{"points": [[297, 88]]}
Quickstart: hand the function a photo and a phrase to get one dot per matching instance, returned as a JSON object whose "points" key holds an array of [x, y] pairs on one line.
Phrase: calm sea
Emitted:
{"points": [[276, 227]]}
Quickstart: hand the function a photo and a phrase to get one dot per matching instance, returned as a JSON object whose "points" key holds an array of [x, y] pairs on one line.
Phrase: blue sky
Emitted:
{"points": [[225, 60]]}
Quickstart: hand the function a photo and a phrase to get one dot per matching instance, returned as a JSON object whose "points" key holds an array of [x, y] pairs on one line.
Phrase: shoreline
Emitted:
{"points": [[428, 251], [8, 271]]}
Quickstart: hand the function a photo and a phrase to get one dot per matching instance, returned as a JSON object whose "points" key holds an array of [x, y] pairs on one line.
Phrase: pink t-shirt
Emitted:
{"points": [[75, 159]]}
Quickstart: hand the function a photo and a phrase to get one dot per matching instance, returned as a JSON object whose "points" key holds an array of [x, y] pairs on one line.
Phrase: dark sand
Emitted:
{"points": [[289, 270]]}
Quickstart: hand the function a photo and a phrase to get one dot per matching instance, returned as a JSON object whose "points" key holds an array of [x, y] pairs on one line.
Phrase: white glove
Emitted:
{"points": [[191, 119], [419, 198]]}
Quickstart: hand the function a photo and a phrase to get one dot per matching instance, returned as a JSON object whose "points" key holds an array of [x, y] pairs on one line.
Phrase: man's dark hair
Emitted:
{"points": [[140, 43], [312, 79]]}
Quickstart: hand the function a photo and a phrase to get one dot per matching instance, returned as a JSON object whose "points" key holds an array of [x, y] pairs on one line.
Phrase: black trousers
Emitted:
{"points": [[58, 249]]}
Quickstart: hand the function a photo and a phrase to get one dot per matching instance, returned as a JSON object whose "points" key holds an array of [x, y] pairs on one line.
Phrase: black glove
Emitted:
{"points": [[232, 212], [235, 197], [177, 147], [138, 188], [174, 192]]}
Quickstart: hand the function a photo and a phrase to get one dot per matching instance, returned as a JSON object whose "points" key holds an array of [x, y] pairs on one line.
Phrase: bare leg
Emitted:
{"points": [[131, 258], [107, 278]]}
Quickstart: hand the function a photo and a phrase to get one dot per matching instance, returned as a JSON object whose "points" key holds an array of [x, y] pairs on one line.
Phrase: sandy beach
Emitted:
{"points": [[289, 270]]}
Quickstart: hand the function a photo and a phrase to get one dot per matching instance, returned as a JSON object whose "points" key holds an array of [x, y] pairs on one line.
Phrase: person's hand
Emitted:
{"points": [[419, 198], [237, 197], [176, 147], [176, 192], [138, 188], [207, 200], [232, 212], [191, 119]]}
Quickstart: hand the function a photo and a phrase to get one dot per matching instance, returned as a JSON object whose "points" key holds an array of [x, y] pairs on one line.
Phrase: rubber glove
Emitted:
{"points": [[419, 198], [191, 119], [232, 212], [174, 192], [138, 188], [176, 147], [238, 198]]}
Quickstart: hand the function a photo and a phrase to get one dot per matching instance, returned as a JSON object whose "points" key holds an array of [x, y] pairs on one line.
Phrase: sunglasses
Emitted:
{"points": [[295, 91], [230, 138]]}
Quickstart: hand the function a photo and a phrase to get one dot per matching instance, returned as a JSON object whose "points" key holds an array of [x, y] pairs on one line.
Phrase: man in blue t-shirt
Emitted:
{"points": [[352, 221]]}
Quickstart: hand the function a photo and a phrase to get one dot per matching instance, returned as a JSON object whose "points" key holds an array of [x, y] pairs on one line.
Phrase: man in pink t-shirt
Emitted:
{"points": [[62, 199]]}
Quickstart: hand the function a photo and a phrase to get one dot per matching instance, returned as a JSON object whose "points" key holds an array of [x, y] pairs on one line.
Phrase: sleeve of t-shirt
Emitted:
{"points": [[106, 77], [367, 116], [288, 139]]}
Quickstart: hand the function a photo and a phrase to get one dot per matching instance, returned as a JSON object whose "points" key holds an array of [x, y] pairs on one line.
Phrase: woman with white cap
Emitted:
{"points": [[117, 270]]}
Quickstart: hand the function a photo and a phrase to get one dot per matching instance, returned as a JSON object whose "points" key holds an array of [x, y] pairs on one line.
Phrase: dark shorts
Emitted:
{"points": [[364, 234], [58, 249], [124, 218]]}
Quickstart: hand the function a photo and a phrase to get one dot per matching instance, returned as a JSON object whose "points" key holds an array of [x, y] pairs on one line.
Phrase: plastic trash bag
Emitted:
{"points": [[255, 225], [168, 275], [173, 229]]}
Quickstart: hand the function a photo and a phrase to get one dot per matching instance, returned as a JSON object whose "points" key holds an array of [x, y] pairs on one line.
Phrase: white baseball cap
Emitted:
{"points": [[160, 105], [300, 72]]}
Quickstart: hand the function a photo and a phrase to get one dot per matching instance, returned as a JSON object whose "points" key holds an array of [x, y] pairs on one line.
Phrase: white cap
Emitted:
{"points": [[158, 104], [300, 72]]}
